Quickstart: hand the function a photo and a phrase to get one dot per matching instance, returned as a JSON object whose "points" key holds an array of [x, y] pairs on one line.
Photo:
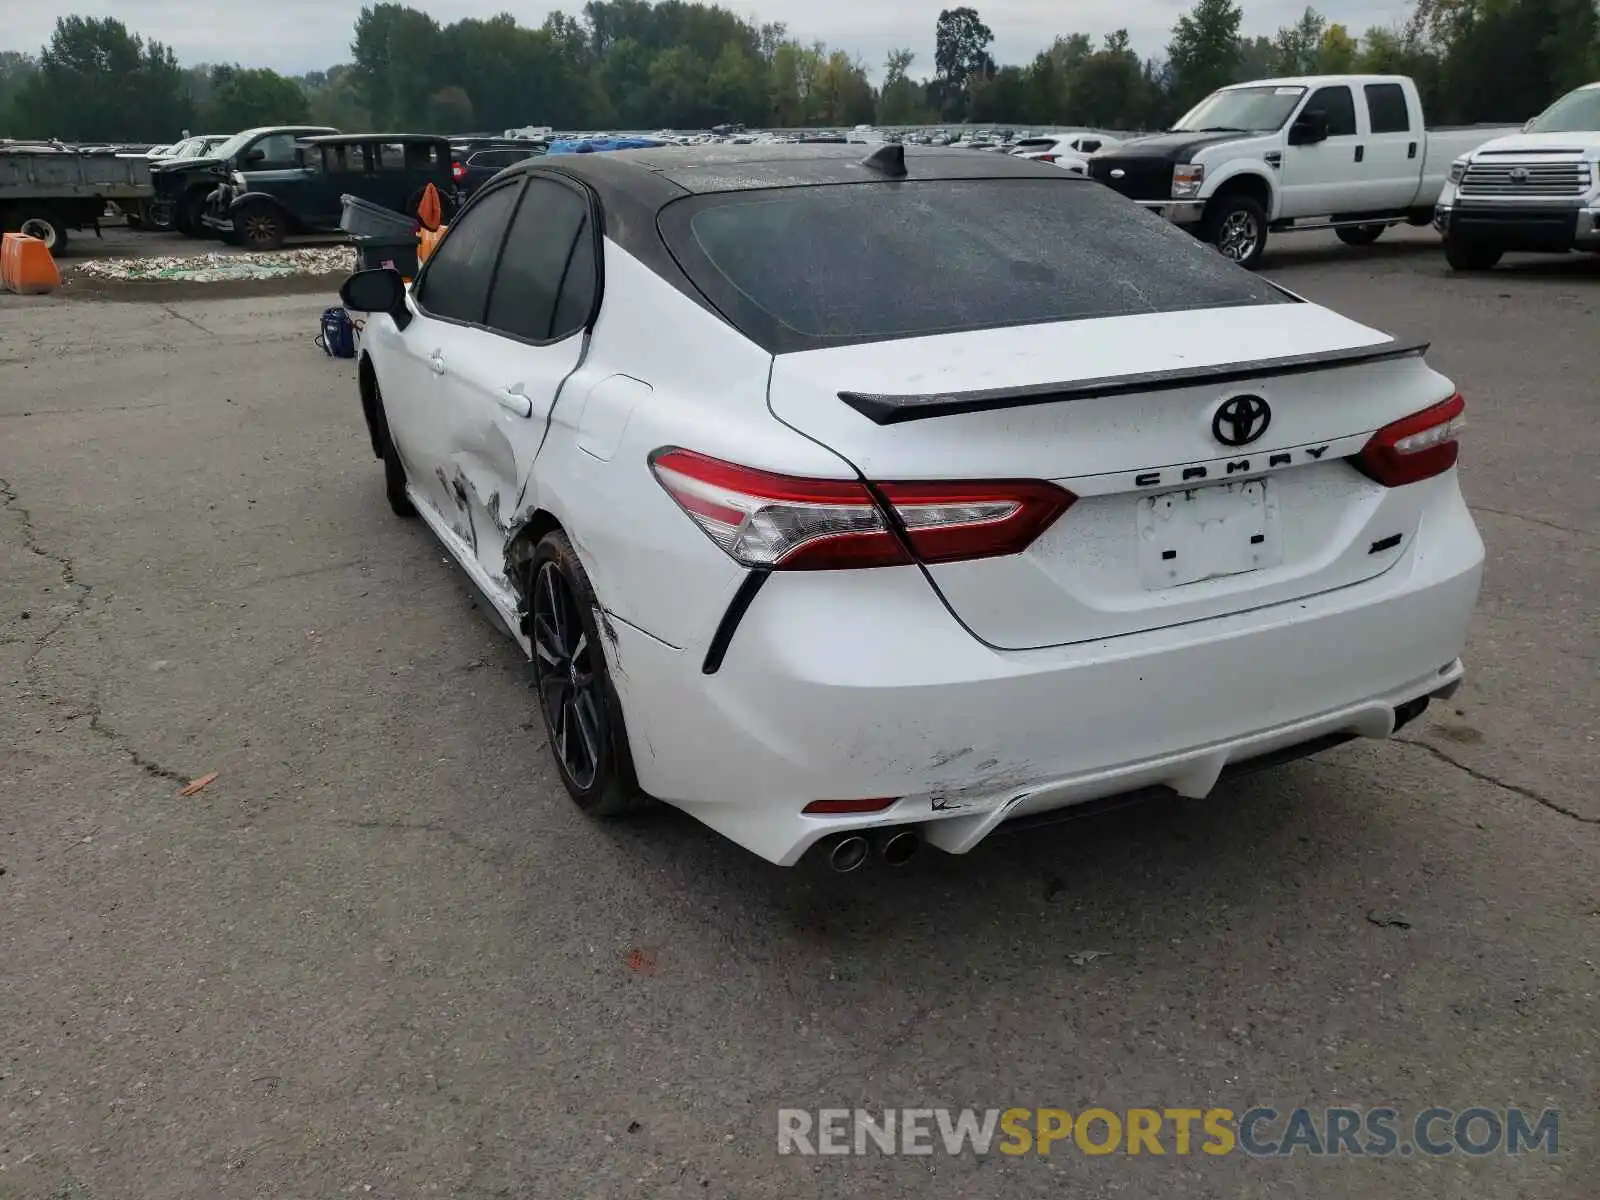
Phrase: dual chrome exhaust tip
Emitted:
{"points": [[893, 847]]}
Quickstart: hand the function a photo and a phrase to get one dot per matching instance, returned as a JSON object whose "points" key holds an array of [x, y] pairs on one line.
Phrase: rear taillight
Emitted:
{"points": [[458, 171], [779, 521], [1415, 447], [1047, 158]]}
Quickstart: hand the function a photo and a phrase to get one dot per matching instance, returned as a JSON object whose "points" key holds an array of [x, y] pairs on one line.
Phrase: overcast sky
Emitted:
{"points": [[303, 35]]}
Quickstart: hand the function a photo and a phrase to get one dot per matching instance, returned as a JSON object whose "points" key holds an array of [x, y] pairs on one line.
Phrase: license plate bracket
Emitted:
{"points": [[1206, 532]]}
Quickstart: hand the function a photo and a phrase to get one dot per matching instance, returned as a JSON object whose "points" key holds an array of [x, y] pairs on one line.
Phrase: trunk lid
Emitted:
{"points": [[1171, 524]]}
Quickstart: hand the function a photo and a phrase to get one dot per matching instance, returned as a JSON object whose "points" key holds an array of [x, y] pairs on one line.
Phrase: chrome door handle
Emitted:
{"points": [[436, 363], [515, 401]]}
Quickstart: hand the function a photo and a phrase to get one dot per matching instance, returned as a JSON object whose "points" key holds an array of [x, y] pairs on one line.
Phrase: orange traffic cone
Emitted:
{"points": [[26, 266], [430, 212], [427, 240]]}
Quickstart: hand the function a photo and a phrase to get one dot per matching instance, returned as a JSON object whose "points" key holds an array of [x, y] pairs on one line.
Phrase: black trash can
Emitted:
{"points": [[396, 253]]}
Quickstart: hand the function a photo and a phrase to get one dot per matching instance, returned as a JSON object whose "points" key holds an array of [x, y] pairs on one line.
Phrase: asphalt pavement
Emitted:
{"points": [[382, 955]]}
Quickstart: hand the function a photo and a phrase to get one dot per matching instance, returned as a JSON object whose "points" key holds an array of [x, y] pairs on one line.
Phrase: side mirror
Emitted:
{"points": [[255, 156], [381, 290], [1309, 128]]}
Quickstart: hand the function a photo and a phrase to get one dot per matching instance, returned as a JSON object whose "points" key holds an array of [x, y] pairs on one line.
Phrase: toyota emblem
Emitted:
{"points": [[1117, 173], [1518, 174], [1241, 420]]}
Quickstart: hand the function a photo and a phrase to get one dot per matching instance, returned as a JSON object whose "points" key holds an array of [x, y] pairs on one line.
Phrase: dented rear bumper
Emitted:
{"points": [[846, 685]]}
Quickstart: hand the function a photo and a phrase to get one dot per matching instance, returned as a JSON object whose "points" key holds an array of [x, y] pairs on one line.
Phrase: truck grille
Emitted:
{"points": [[1140, 178], [1525, 179]]}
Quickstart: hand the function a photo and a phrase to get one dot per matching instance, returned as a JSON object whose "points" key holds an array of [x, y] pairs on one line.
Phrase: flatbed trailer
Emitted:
{"points": [[47, 189]]}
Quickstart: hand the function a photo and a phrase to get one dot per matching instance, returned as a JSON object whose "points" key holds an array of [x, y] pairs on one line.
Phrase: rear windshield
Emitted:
{"points": [[803, 267]]}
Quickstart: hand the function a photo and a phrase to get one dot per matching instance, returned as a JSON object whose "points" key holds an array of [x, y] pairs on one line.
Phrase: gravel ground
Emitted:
{"points": [[382, 955]]}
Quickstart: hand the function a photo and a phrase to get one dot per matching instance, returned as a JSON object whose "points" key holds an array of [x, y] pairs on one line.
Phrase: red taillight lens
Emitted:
{"points": [[836, 808], [458, 171], [1047, 158], [779, 521], [1416, 447]]}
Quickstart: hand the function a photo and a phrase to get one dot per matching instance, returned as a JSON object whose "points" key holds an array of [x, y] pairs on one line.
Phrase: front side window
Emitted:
{"points": [[455, 285], [544, 263], [277, 151], [1338, 106]]}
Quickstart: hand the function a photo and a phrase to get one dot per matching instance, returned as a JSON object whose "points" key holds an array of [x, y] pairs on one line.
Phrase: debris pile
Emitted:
{"points": [[216, 267]]}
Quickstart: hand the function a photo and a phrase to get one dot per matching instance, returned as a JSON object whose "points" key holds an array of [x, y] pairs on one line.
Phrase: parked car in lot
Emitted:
{"points": [[1535, 190], [1344, 152], [182, 185], [1068, 151], [476, 164], [262, 208], [886, 540]]}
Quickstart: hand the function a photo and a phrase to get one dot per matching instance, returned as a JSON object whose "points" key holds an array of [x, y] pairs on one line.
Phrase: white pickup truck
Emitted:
{"points": [[1342, 152], [1537, 190]]}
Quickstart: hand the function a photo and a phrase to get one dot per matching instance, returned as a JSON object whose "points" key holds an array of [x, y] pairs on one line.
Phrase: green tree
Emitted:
{"points": [[16, 70], [1337, 54], [961, 51], [900, 100], [1297, 46], [96, 80], [244, 97], [334, 100], [396, 51], [1107, 88], [1204, 51], [450, 110]]}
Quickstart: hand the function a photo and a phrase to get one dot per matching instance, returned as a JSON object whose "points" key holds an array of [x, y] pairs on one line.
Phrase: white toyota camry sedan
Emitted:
{"points": [[855, 504]]}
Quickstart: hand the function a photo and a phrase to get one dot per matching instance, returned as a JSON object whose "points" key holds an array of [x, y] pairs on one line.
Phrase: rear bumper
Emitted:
{"points": [[846, 685], [1521, 226]]}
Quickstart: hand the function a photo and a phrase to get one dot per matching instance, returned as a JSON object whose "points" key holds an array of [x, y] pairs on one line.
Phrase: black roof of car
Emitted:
{"points": [[335, 139], [657, 176]]}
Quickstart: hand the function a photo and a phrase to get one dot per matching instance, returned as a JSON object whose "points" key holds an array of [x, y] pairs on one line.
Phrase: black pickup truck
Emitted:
{"points": [[182, 184]]}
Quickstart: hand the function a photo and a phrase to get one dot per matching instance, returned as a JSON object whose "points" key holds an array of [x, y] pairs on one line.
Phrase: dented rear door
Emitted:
{"points": [[504, 379]]}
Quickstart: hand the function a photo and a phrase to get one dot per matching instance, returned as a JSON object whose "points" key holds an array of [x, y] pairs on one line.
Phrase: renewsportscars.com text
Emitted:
{"points": [[1260, 1132]]}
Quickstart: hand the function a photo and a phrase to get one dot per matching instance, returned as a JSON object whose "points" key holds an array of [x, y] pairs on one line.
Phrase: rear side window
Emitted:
{"points": [[540, 258], [456, 284], [805, 267], [1386, 105], [1339, 107]]}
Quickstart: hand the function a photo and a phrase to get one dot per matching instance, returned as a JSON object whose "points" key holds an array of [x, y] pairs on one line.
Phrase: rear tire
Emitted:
{"points": [[582, 714], [1359, 235], [1237, 226], [186, 220], [1470, 256], [45, 226], [259, 226]]}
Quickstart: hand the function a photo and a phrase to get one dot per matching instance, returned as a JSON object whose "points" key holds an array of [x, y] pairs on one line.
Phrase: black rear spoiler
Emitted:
{"points": [[884, 409]]}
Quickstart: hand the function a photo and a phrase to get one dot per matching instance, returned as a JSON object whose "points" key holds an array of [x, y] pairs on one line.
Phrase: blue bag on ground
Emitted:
{"points": [[338, 336]]}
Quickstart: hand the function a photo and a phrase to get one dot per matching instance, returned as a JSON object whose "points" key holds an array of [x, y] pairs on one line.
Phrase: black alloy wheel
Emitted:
{"points": [[582, 714], [568, 691]]}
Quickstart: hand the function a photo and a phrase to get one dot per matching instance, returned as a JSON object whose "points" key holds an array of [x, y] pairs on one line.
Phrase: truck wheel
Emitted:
{"points": [[1237, 226], [1470, 256], [187, 218], [46, 227], [260, 226], [1359, 235]]}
